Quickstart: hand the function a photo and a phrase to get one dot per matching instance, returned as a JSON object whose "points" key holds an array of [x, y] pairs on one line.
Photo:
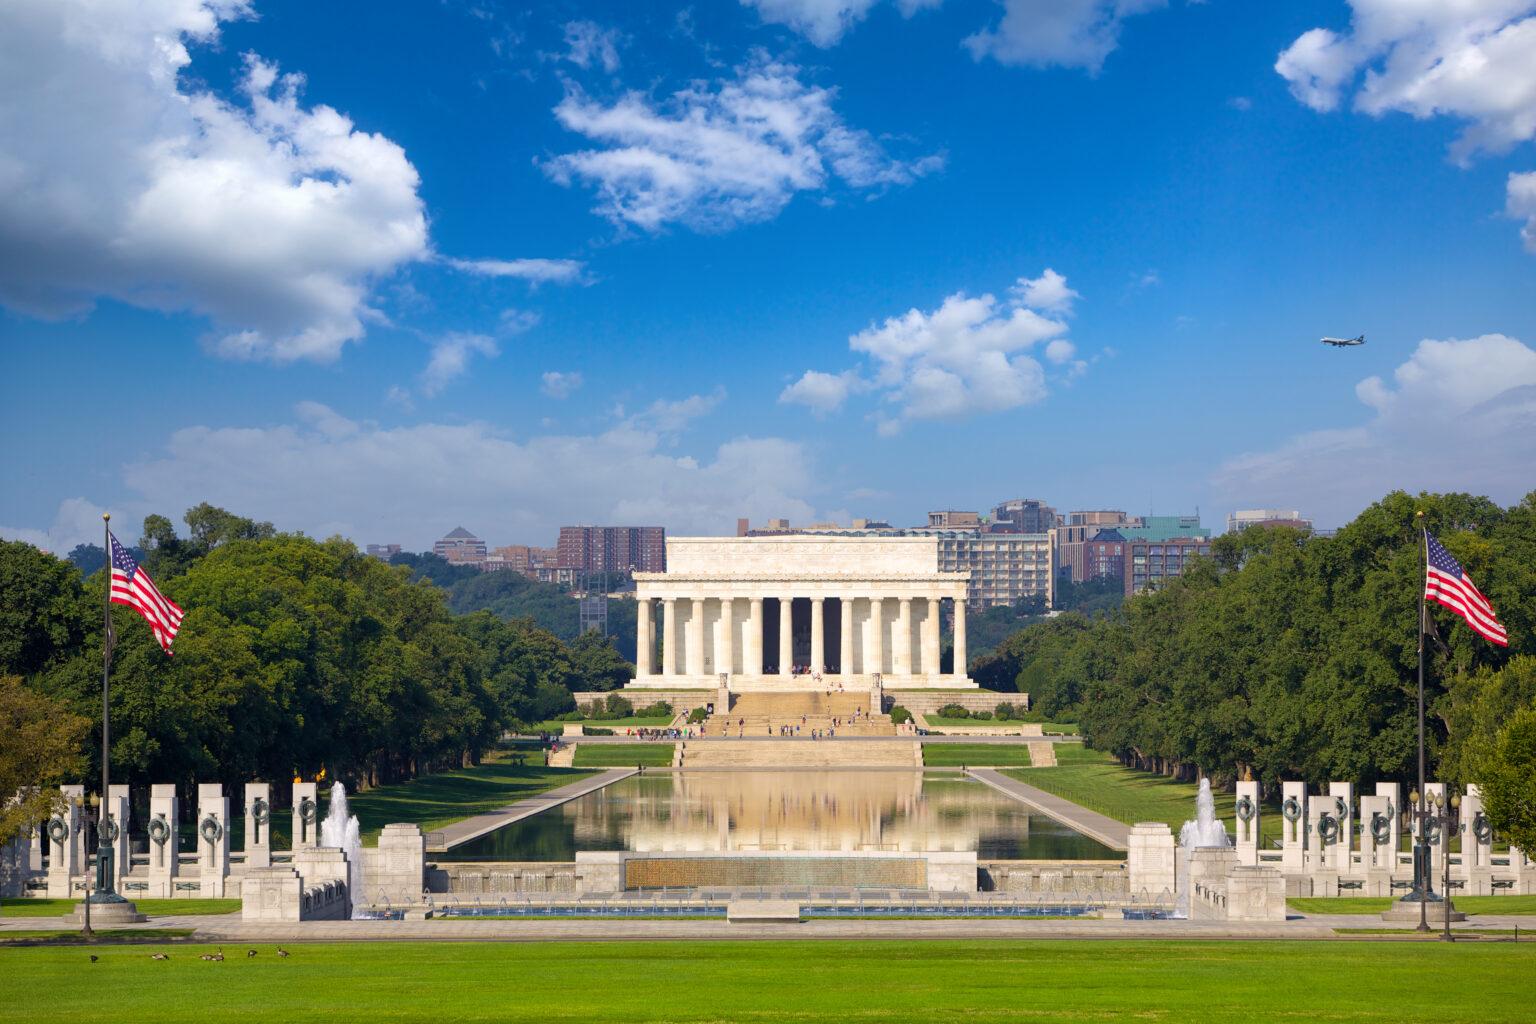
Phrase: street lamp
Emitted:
{"points": [[81, 804], [1433, 812]]}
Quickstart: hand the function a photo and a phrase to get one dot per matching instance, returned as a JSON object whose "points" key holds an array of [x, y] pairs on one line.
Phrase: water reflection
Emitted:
{"points": [[803, 811]]}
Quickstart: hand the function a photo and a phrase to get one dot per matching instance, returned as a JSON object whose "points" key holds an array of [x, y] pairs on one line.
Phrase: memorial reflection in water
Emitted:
{"points": [[800, 811]]}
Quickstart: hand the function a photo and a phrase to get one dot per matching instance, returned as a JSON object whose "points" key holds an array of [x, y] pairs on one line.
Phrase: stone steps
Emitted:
{"points": [[1042, 755], [802, 754]]}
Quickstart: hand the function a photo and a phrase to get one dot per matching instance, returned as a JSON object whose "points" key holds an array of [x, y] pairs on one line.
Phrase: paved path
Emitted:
{"points": [[473, 828], [1113, 834]]}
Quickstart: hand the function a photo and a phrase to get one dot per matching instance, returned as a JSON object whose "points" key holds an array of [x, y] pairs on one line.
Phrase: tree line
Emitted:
{"points": [[295, 655], [1288, 656]]}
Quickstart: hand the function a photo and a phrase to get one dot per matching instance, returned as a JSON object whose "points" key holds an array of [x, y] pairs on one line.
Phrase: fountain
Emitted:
{"points": [[340, 831], [1205, 831]]}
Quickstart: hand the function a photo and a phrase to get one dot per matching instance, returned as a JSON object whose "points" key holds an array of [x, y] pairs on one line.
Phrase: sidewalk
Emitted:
{"points": [[473, 828], [1113, 834]]}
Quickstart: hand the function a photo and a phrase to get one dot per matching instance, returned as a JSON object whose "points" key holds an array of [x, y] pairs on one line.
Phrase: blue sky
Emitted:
{"points": [[659, 263]]}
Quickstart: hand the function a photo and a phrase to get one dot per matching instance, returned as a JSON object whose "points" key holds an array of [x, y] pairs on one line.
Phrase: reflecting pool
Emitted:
{"points": [[801, 811]]}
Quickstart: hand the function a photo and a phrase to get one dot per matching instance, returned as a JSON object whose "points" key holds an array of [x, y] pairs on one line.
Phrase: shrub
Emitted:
{"points": [[593, 710], [982, 716], [1006, 712], [660, 709], [592, 730], [697, 715], [900, 715], [953, 711], [618, 707]]}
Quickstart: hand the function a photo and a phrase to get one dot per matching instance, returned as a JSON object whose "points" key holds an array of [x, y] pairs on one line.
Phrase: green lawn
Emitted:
{"points": [[961, 982], [976, 755], [12, 907], [1063, 728], [1094, 780], [616, 724], [624, 755], [72, 938], [437, 800], [1376, 904]]}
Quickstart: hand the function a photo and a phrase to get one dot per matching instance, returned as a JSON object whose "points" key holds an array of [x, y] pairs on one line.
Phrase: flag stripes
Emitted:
{"points": [[1446, 583], [132, 586]]}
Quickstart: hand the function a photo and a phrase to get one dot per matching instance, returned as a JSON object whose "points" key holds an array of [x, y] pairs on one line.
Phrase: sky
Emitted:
{"points": [[386, 269]]}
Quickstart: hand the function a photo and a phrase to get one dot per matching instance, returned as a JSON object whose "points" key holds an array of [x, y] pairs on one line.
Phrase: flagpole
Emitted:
{"points": [[1421, 880], [105, 893]]}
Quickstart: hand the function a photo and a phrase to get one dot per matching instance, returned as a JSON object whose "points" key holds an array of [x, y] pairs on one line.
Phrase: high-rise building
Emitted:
{"points": [[460, 547], [1246, 517], [612, 548], [1149, 563], [383, 552], [1096, 517], [949, 519], [1023, 515]]}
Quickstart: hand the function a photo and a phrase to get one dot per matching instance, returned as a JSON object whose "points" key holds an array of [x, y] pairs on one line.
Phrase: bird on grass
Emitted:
{"points": [[282, 952], [206, 956], [250, 953], [159, 956], [94, 958], [220, 954]]}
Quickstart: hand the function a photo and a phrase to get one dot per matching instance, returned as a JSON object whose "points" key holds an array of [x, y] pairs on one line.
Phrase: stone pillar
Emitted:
{"points": [[1255, 894], [212, 839], [695, 666], [1246, 833], [930, 637], [306, 815], [1376, 856], [395, 870], [258, 825], [1476, 844], [875, 663], [1150, 861], [116, 811], [645, 638], [1394, 812], [901, 662], [725, 637], [818, 636], [1343, 794], [1293, 825], [64, 861], [1209, 867], [669, 636], [960, 666], [786, 635], [845, 637], [754, 665], [164, 845]]}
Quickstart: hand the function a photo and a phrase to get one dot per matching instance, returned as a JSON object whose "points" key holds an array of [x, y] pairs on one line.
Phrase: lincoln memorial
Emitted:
{"points": [[773, 613]]}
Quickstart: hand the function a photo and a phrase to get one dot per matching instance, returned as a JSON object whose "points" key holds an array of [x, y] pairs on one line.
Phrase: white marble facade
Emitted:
{"points": [[858, 607]]}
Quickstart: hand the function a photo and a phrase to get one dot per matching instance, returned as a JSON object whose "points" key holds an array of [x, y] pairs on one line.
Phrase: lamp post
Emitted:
{"points": [[81, 804], [1445, 817]]}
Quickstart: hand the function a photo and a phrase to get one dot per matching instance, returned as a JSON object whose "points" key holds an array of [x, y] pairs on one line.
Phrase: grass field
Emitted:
{"points": [[976, 755], [624, 755], [1096, 781], [1063, 728], [437, 800], [805, 981], [11, 907], [72, 938], [1376, 904]]}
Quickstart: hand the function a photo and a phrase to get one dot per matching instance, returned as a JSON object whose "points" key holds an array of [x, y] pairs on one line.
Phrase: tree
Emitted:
{"points": [[39, 749], [40, 609], [597, 663], [1509, 780]]}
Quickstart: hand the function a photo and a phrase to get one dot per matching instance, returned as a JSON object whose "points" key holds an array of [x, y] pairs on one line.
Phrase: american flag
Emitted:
{"points": [[1445, 582], [132, 586]]}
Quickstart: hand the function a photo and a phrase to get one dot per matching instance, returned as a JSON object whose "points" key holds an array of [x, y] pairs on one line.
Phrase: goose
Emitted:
{"points": [[206, 956], [250, 953], [159, 956], [94, 958], [219, 955], [281, 951]]}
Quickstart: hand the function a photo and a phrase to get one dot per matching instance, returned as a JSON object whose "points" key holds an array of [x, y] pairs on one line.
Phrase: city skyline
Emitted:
{"points": [[441, 277]]}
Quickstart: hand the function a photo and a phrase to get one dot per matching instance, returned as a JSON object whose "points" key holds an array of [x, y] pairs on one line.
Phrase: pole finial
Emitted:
{"points": [[106, 517], [1419, 514]]}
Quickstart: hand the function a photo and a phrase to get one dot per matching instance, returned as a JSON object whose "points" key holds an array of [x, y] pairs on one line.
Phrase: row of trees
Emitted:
{"points": [[295, 654], [1287, 656]]}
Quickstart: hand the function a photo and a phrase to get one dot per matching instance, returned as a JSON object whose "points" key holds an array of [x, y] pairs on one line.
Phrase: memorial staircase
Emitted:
{"points": [[748, 735], [760, 715], [777, 753]]}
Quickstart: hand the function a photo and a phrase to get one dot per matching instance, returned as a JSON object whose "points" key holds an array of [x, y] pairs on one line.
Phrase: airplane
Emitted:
{"points": [[1344, 342]]}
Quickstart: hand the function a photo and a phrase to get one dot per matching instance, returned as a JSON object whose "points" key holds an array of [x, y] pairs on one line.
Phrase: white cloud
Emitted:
{"points": [[719, 154], [1049, 292], [821, 392], [1458, 415], [1057, 33], [1470, 59], [450, 358], [824, 22], [588, 43], [560, 384], [121, 179], [536, 271], [967, 357], [410, 485], [1521, 204], [669, 417], [77, 521]]}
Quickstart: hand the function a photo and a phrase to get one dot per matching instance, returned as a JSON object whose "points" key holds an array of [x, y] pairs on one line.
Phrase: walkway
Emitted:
{"points": [[1113, 834], [473, 828]]}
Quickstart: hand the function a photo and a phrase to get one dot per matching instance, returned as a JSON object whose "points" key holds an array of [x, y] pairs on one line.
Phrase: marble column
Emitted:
{"points": [[725, 637], [876, 660], [258, 820], [669, 637], [818, 635], [960, 657], [306, 816], [116, 809], [645, 637], [901, 664], [695, 666], [845, 637], [164, 862], [754, 662], [786, 634], [930, 638], [64, 860], [212, 840]]}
